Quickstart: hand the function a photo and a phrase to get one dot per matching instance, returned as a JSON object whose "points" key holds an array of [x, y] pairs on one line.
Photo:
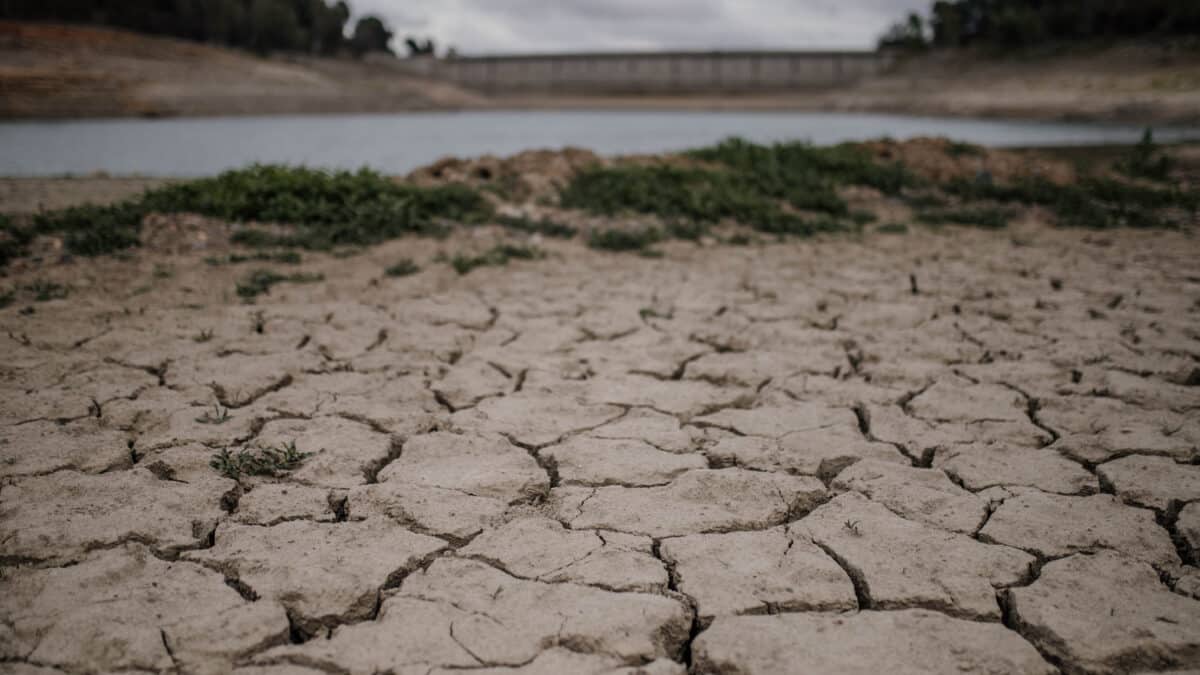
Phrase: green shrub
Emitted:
{"points": [[989, 217], [545, 226], [326, 208], [260, 281], [264, 462], [403, 268], [1146, 161], [624, 240], [495, 257]]}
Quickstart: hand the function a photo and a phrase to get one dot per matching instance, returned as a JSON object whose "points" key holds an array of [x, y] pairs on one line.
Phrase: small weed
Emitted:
{"points": [[285, 257], [44, 291], [960, 149], [624, 240], [261, 281], [163, 272], [861, 217], [739, 240], [324, 209], [545, 226], [992, 218], [892, 228], [264, 462], [651, 313], [258, 321], [403, 268], [1145, 160], [495, 257], [852, 526], [203, 336], [218, 415], [7, 298]]}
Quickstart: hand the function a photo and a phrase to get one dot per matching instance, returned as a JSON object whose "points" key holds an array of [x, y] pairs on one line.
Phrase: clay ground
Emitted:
{"points": [[938, 452]]}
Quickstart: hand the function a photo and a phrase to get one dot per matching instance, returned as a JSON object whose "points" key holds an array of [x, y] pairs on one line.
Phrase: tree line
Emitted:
{"points": [[317, 27], [1021, 23]]}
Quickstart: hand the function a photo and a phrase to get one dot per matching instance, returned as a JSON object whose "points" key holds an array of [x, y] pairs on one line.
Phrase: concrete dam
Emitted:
{"points": [[655, 72]]}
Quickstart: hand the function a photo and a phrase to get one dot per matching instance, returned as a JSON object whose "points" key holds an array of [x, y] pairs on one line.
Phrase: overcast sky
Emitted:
{"points": [[502, 26]]}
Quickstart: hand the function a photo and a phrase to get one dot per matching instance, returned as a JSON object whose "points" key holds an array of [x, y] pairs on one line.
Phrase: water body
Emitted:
{"points": [[398, 143]]}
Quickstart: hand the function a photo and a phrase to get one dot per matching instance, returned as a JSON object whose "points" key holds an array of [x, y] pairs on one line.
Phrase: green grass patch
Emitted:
{"points": [[260, 282], [771, 188], [960, 149], [496, 256], [624, 240], [1092, 202], [262, 462], [892, 228], [284, 257], [403, 268], [44, 291], [14, 240], [989, 217], [325, 208], [544, 226]]}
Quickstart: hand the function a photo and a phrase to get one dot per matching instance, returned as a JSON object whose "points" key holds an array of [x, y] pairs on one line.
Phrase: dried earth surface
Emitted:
{"points": [[945, 451]]}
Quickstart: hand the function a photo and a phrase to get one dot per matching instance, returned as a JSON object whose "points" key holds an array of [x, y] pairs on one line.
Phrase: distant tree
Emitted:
{"points": [[370, 35], [416, 48], [908, 34]]}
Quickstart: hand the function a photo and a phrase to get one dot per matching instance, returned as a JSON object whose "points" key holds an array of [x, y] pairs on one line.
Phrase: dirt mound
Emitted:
{"points": [[940, 160], [69, 71], [524, 177]]}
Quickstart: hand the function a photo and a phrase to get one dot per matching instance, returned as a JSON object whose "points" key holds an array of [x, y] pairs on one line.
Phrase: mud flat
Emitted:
{"points": [[920, 448]]}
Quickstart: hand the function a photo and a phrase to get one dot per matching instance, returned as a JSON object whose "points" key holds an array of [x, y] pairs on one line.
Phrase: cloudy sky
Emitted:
{"points": [[500, 26]]}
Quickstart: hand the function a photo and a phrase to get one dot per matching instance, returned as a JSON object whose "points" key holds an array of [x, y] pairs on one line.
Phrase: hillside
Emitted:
{"points": [[71, 71]]}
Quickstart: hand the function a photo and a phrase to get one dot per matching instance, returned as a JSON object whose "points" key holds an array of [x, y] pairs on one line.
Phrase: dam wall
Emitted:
{"points": [[655, 72]]}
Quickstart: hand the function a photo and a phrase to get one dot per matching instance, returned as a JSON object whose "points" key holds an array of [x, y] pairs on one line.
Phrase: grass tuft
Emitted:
{"points": [[260, 282], [264, 462], [326, 209], [403, 268], [497, 256]]}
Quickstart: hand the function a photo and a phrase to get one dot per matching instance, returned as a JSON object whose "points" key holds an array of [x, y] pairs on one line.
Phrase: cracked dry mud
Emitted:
{"points": [[791, 462]]}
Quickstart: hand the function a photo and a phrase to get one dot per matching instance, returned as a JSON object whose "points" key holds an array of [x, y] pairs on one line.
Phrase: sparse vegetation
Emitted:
{"points": [[263, 462], [1146, 160], [260, 282], [219, 414], [44, 291], [989, 217], [498, 255], [323, 208], [624, 240], [284, 257], [770, 188], [892, 228], [545, 226], [203, 336], [403, 268]]}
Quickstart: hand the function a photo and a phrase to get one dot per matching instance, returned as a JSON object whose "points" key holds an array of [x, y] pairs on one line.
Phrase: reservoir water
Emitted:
{"points": [[398, 143]]}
